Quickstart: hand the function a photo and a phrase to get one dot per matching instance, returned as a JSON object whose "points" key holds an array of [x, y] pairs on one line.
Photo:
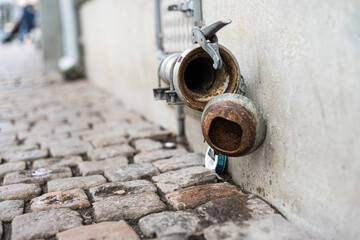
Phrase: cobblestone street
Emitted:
{"points": [[76, 164]]}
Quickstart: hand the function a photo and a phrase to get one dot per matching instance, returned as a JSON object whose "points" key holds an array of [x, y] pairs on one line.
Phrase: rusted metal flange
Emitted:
{"points": [[197, 82], [232, 125]]}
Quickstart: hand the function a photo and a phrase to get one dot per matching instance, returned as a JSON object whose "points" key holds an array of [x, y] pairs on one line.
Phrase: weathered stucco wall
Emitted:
{"points": [[300, 61], [120, 54]]}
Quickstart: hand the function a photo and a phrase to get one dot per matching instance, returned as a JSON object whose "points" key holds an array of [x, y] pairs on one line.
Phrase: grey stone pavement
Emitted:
{"points": [[76, 164]]}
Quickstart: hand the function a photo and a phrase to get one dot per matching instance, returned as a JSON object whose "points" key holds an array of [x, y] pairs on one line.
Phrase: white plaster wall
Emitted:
{"points": [[301, 64], [120, 54]]}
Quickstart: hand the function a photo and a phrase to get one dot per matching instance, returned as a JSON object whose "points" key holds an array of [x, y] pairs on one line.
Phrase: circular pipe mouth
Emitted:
{"points": [[200, 76], [232, 125], [197, 82], [225, 134]]}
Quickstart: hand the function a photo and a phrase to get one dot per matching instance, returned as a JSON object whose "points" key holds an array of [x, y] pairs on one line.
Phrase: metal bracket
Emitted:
{"points": [[186, 7], [165, 93], [159, 93], [172, 98], [207, 39]]}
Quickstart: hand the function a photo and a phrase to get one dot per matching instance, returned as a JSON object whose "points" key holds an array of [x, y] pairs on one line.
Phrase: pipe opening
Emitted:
{"points": [[200, 76], [225, 134]]}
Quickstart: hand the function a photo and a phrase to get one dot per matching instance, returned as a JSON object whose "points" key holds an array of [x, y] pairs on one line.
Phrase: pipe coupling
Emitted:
{"points": [[196, 81], [232, 125]]}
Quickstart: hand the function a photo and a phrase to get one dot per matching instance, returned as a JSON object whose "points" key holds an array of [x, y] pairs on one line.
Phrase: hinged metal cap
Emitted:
{"points": [[207, 39]]}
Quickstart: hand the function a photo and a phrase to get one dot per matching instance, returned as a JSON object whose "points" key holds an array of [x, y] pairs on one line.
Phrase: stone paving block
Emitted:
{"points": [[101, 231], [47, 141], [194, 196], [44, 224], [72, 199], [16, 128], [38, 176], [22, 135], [184, 161], [30, 155], [46, 126], [70, 147], [112, 124], [105, 105], [11, 167], [131, 172], [142, 125], [231, 208], [57, 162], [6, 145], [127, 207], [35, 117], [147, 145], [19, 191], [258, 207], [158, 155], [61, 116], [11, 151], [235, 208], [170, 223], [173, 237], [85, 120], [38, 131], [121, 116], [5, 124], [110, 152], [90, 134], [133, 117], [174, 180], [70, 129], [154, 134], [272, 227], [75, 182], [10, 209], [13, 116], [7, 137], [121, 189], [108, 139], [98, 167]]}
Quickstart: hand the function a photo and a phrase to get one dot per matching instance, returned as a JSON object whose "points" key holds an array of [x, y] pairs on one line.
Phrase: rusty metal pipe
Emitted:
{"points": [[196, 81], [167, 66], [232, 125]]}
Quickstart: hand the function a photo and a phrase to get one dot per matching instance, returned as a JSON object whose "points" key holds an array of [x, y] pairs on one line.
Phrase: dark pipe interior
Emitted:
{"points": [[200, 75], [225, 134]]}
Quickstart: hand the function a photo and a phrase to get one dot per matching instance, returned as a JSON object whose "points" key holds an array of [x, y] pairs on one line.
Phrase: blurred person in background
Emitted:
{"points": [[24, 26]]}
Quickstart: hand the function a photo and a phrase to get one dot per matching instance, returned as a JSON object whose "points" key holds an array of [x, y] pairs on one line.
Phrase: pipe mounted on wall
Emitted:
{"points": [[70, 62], [206, 77]]}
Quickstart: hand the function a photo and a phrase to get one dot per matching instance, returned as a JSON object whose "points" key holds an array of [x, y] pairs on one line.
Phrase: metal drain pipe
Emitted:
{"points": [[198, 20], [70, 62], [180, 116], [158, 31], [206, 77]]}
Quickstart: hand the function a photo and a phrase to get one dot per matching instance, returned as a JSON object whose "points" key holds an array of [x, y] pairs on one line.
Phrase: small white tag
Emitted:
{"points": [[212, 161]]}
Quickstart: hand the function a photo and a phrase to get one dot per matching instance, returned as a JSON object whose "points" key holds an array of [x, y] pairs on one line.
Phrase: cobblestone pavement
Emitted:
{"points": [[76, 164]]}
